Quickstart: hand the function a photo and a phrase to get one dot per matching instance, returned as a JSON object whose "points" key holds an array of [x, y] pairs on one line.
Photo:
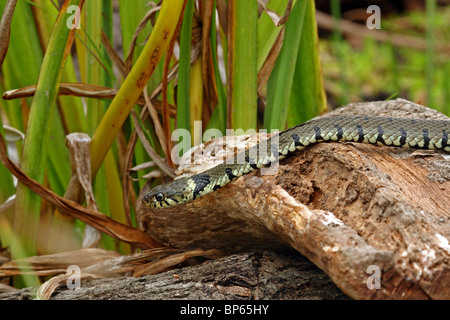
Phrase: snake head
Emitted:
{"points": [[168, 195]]}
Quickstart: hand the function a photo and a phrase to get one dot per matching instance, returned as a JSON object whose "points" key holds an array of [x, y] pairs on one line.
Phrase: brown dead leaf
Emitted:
{"points": [[157, 124], [143, 166], [117, 61], [152, 153], [92, 91], [94, 218], [52, 264], [111, 265], [276, 18], [222, 10], [269, 64], [5, 28], [46, 290], [173, 260], [139, 28], [69, 89], [8, 203], [96, 261]]}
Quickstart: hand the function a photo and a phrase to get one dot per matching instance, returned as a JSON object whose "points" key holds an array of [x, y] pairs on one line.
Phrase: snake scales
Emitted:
{"points": [[388, 131]]}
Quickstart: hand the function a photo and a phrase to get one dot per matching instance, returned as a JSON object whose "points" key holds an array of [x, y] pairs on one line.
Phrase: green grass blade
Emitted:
{"points": [[24, 53], [446, 87], [280, 81], [7, 189], [71, 108], [307, 98], [242, 49], [108, 28], [130, 16], [70, 116], [267, 31], [6, 186], [34, 157], [107, 184], [339, 45], [93, 72], [114, 195], [58, 158], [184, 69], [219, 117], [430, 57]]}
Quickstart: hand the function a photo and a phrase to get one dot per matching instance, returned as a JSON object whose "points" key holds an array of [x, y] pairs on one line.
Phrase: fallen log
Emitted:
{"points": [[242, 276], [375, 219]]}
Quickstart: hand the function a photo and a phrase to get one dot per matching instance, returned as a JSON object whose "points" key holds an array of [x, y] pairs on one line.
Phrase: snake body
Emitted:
{"points": [[387, 131]]}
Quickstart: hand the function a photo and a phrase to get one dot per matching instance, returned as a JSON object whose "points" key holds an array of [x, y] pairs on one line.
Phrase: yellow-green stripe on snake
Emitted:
{"points": [[387, 131]]}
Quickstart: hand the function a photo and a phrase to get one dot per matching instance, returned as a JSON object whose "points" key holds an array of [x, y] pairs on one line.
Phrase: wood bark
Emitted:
{"points": [[249, 275], [356, 211]]}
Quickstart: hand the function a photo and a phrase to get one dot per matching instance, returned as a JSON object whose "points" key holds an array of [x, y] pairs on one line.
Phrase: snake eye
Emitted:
{"points": [[159, 197]]}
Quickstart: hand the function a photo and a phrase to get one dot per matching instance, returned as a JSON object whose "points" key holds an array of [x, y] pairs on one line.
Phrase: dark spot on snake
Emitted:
{"points": [[296, 139], [318, 133], [201, 181], [360, 133], [251, 162], [444, 139], [413, 121], [217, 186], [366, 117], [426, 138], [173, 199], [274, 150], [403, 137], [229, 173], [380, 134], [390, 119], [340, 132]]}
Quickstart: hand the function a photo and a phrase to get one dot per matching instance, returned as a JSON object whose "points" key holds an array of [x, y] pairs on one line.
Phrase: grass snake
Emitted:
{"points": [[386, 131]]}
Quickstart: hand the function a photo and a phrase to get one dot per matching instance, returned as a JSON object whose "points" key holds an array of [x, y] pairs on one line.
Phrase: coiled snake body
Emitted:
{"points": [[387, 131]]}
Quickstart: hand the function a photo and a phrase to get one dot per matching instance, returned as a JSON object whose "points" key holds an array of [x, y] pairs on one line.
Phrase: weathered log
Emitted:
{"points": [[252, 275], [356, 211]]}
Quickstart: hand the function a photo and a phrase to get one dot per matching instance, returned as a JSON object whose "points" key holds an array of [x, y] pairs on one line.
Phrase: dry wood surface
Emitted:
{"points": [[352, 209]]}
